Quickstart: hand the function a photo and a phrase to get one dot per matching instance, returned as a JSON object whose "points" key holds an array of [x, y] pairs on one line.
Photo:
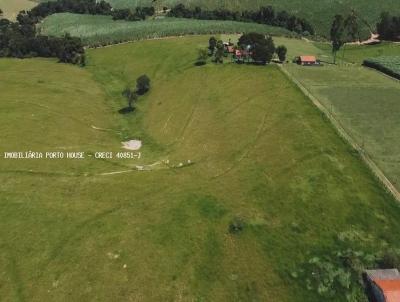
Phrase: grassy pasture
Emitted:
{"points": [[11, 8], [102, 29], [366, 102], [261, 152]]}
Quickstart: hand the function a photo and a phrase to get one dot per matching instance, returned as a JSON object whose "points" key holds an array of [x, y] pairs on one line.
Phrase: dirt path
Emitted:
{"points": [[343, 133]]}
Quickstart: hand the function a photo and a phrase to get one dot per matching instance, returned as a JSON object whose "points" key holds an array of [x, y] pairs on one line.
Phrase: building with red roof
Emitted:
{"points": [[384, 285], [307, 60]]}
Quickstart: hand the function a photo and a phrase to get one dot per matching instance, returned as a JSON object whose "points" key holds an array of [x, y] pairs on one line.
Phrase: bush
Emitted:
{"points": [[390, 259], [236, 226], [142, 84]]}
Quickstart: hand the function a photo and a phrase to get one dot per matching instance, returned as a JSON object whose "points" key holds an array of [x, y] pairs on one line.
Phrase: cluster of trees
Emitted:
{"points": [[265, 15], [21, 41], [132, 95], [389, 27], [262, 47]]}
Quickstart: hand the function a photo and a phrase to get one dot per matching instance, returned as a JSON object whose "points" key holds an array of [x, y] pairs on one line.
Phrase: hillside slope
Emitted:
{"points": [[259, 152]]}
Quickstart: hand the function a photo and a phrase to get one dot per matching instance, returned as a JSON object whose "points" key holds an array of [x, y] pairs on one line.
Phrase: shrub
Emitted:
{"points": [[236, 226], [142, 84], [390, 259]]}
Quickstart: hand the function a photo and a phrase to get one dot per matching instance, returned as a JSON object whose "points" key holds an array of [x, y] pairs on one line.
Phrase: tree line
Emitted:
{"points": [[265, 15], [389, 27], [20, 40]]}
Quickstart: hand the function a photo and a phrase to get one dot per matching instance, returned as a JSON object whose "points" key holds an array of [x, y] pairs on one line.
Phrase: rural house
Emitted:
{"points": [[384, 285], [307, 60]]}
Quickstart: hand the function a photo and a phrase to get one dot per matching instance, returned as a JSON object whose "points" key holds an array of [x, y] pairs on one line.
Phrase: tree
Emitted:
{"points": [[281, 52], [131, 97], [1, 12], [212, 43], [202, 57], [351, 25], [337, 33], [142, 84], [219, 54]]}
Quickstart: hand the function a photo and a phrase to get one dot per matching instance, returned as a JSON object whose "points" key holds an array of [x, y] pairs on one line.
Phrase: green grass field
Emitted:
{"points": [[366, 102], [260, 151], [11, 8], [102, 29]]}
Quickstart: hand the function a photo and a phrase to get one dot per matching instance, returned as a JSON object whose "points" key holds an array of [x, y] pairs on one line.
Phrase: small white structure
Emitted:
{"points": [[132, 145]]}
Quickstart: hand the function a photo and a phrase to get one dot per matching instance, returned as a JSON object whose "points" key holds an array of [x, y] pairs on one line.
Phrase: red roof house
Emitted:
{"points": [[384, 285], [307, 60]]}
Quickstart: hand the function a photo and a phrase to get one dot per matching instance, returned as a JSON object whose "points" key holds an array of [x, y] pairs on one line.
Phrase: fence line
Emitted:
{"points": [[346, 136]]}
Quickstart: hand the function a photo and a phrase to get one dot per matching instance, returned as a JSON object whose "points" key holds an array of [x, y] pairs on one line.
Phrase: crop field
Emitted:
{"points": [[389, 65], [366, 102], [101, 230], [102, 29], [11, 8]]}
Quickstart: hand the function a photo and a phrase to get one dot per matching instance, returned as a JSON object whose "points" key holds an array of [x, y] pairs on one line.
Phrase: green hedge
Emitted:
{"points": [[388, 65]]}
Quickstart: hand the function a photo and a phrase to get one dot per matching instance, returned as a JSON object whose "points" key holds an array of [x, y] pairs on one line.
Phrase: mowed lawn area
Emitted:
{"points": [[366, 102], [260, 152]]}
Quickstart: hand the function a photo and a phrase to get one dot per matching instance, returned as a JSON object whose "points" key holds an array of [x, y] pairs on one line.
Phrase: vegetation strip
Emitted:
{"points": [[387, 65]]}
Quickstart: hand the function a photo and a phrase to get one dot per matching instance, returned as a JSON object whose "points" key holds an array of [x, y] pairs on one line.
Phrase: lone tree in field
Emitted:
{"points": [[219, 53], [142, 84], [337, 35], [281, 52], [1, 12], [212, 43], [262, 48]]}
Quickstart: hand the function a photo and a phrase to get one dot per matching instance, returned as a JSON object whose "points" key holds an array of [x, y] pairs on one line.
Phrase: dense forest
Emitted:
{"points": [[389, 27]]}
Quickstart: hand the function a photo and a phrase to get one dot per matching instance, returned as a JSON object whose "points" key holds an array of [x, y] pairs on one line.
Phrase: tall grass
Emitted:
{"points": [[102, 30]]}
